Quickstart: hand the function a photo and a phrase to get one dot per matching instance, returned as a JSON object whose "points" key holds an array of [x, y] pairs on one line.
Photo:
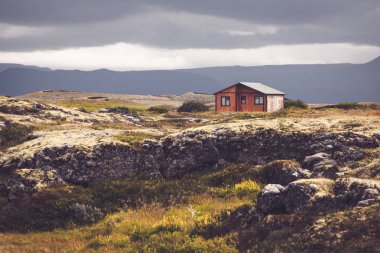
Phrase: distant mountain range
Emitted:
{"points": [[313, 83]]}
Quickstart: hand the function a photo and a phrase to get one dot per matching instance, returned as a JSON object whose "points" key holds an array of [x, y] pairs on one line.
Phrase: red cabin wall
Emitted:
{"points": [[235, 93], [228, 92]]}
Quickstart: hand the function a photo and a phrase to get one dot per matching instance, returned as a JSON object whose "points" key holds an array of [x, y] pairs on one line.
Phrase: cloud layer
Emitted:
{"points": [[172, 26], [122, 56]]}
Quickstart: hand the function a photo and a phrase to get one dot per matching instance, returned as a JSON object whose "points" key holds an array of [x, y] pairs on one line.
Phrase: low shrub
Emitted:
{"points": [[160, 109], [49, 209], [351, 106], [348, 105], [290, 103], [193, 106]]}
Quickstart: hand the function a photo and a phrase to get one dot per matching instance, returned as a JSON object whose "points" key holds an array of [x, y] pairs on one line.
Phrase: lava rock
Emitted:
{"points": [[283, 172], [322, 165], [270, 199], [308, 194], [349, 191]]}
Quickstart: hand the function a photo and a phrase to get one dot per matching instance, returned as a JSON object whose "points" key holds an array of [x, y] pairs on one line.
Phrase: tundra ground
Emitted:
{"points": [[84, 176]]}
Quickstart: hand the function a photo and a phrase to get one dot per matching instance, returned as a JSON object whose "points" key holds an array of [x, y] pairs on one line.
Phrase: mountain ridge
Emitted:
{"points": [[314, 83]]}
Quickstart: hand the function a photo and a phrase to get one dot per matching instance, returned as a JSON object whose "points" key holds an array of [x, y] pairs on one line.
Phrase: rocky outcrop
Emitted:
{"points": [[316, 195], [181, 153], [20, 107], [193, 150]]}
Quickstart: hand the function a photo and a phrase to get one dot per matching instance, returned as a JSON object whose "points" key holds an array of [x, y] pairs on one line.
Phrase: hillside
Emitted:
{"points": [[321, 83]]}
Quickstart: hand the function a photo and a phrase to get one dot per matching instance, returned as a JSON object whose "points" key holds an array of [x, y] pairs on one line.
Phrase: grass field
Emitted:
{"points": [[97, 104], [162, 216]]}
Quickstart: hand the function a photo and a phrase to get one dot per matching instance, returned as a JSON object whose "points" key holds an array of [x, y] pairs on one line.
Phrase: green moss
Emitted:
{"points": [[134, 138]]}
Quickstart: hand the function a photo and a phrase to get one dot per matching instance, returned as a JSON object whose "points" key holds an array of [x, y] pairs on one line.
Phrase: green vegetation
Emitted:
{"points": [[160, 109], [348, 105], [289, 103], [193, 106], [66, 206], [153, 215], [97, 104]]}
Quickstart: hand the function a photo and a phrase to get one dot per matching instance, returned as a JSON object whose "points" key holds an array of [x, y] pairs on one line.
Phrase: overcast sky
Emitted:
{"points": [[168, 34]]}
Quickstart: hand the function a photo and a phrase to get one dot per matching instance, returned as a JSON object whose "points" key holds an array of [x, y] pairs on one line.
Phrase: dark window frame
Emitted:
{"points": [[227, 101], [243, 99], [260, 100]]}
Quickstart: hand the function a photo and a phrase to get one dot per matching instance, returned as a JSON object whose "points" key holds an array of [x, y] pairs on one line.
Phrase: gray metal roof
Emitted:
{"points": [[263, 88]]}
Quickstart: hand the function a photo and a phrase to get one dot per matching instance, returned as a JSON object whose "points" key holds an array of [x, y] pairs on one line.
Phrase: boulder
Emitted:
{"points": [[308, 194], [283, 172], [270, 199]]}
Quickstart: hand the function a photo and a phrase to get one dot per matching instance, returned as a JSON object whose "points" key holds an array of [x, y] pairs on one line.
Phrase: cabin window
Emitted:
{"points": [[225, 101], [243, 99], [259, 100]]}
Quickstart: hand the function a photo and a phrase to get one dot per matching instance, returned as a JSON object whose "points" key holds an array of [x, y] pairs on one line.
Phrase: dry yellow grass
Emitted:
{"points": [[124, 231], [96, 104]]}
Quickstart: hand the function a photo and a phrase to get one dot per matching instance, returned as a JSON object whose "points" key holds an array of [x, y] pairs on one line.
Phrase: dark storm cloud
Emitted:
{"points": [[46, 24], [60, 12]]}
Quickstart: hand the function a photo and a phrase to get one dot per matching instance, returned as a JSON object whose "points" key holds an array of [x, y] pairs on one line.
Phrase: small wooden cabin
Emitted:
{"points": [[249, 97]]}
